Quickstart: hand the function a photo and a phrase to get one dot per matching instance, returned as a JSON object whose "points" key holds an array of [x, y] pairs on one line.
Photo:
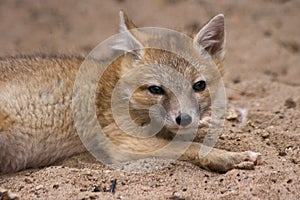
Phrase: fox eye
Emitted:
{"points": [[199, 86], [156, 90]]}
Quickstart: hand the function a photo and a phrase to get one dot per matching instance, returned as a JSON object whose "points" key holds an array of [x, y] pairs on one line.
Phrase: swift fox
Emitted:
{"points": [[36, 92]]}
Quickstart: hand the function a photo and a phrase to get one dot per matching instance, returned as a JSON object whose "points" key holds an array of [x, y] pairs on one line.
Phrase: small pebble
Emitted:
{"points": [[265, 134], [39, 187], [232, 114], [92, 197], [28, 180], [282, 153], [236, 80], [96, 189], [290, 103], [55, 186], [145, 188], [152, 184]]}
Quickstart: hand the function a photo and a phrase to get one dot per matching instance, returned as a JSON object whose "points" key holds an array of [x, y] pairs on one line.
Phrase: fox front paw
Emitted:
{"points": [[224, 161], [249, 160], [242, 160]]}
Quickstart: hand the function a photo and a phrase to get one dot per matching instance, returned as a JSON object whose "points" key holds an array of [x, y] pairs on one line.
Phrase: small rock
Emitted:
{"points": [[21, 187], [145, 188], [251, 124], [223, 191], [232, 115], [152, 184], [55, 186], [92, 197], [28, 180], [295, 161], [87, 173], [236, 80], [222, 137], [290, 103], [39, 187], [96, 189], [282, 153], [280, 115], [289, 148], [28, 174], [177, 196], [265, 134]]}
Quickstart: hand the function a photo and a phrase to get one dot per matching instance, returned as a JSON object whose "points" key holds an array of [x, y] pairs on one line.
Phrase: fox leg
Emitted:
{"points": [[215, 160], [220, 160]]}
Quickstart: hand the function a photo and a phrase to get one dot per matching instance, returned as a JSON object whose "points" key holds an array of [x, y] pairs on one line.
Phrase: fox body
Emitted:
{"points": [[36, 118]]}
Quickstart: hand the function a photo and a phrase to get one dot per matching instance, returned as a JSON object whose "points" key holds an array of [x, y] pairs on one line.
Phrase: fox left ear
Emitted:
{"points": [[129, 41], [212, 37]]}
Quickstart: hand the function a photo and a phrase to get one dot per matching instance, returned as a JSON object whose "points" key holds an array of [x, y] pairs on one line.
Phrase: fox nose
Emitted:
{"points": [[183, 119]]}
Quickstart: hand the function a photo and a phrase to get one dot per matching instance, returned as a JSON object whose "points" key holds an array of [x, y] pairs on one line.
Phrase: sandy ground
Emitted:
{"points": [[262, 77]]}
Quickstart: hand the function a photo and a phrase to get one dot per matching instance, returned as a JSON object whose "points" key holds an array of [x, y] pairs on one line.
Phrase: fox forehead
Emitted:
{"points": [[166, 61]]}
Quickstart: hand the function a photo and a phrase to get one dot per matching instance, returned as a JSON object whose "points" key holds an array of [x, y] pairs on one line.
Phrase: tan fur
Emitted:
{"points": [[36, 119]]}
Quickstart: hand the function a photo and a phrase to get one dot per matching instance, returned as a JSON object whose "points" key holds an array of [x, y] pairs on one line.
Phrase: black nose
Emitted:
{"points": [[183, 119]]}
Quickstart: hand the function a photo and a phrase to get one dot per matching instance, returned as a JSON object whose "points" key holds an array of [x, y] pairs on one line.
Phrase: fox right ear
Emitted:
{"points": [[129, 42], [212, 37]]}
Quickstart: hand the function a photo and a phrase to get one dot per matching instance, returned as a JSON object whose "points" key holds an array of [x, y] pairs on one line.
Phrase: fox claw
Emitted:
{"points": [[254, 157], [251, 159]]}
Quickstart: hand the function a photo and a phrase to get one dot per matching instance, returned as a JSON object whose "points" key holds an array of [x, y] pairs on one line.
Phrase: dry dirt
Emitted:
{"points": [[262, 77]]}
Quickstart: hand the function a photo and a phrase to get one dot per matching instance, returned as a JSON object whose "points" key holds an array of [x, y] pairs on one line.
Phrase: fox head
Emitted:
{"points": [[157, 77]]}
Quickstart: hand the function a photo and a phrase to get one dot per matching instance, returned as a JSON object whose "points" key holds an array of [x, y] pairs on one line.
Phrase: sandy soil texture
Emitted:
{"points": [[261, 76]]}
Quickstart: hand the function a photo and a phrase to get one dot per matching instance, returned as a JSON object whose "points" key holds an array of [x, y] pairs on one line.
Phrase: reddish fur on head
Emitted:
{"points": [[211, 38]]}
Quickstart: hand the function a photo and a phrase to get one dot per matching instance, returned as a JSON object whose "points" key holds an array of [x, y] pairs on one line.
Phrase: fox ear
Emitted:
{"points": [[212, 37], [128, 42]]}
